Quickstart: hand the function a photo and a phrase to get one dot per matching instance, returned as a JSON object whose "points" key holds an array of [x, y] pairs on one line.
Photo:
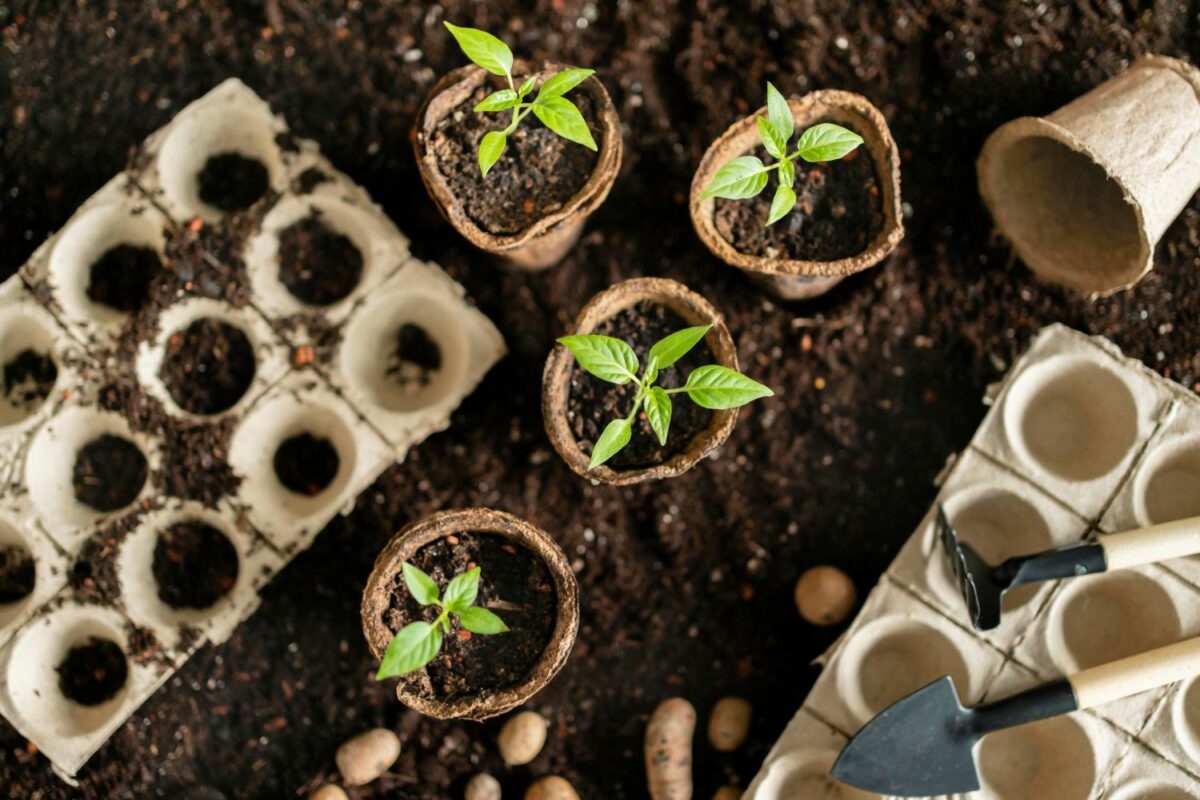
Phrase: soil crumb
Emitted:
{"points": [[306, 464], [208, 366], [121, 278], [317, 264], [93, 672], [194, 564], [232, 182], [110, 472], [18, 574], [28, 380], [416, 357]]}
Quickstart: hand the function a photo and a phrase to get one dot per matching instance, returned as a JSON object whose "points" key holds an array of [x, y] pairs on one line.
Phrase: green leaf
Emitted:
{"points": [[419, 584], [615, 436], [658, 411], [490, 150], [559, 84], [718, 387], [772, 140], [561, 116], [651, 371], [481, 621], [827, 142], [787, 173], [462, 591], [780, 114], [607, 358], [671, 348], [498, 101], [784, 201], [527, 86], [484, 49], [412, 648], [741, 178]]}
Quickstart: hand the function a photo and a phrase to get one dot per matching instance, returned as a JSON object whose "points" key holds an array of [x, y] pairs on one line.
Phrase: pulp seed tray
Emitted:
{"points": [[1079, 439], [219, 351]]}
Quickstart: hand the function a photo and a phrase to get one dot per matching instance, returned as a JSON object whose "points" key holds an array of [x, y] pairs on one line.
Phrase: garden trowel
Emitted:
{"points": [[923, 745], [983, 585]]}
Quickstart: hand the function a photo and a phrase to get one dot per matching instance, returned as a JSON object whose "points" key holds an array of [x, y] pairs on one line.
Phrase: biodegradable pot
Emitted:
{"points": [[556, 381], [792, 279], [1085, 193], [544, 243], [405, 544]]}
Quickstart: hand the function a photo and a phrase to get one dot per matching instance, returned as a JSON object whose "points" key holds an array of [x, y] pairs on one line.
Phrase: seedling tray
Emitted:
{"points": [[1079, 439], [325, 371]]}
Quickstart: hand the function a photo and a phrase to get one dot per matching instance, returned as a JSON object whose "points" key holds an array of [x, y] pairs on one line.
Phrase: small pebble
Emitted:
{"points": [[367, 756], [522, 738], [729, 723], [329, 792], [825, 596], [728, 793], [551, 787], [482, 787]]}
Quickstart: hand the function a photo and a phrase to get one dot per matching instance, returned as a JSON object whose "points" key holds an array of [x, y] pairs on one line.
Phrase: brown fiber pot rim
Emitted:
{"points": [[821, 106], [416, 535], [556, 381], [457, 85]]}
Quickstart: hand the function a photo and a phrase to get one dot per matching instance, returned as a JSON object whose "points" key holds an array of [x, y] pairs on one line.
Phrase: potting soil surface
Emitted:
{"points": [[686, 585]]}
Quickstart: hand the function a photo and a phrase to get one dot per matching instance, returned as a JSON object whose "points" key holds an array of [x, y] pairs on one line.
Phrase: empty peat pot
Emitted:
{"points": [[848, 214], [576, 406], [525, 579], [1085, 193], [529, 217]]}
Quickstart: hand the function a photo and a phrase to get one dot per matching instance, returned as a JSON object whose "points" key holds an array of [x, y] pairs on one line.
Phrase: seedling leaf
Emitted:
{"points": [[615, 436], [422, 587], [484, 49], [741, 178], [783, 202], [561, 116], [481, 621], [718, 387], [412, 648], [462, 591], [658, 411], [563, 82], [787, 173], [498, 101], [490, 150], [772, 140], [607, 358], [780, 114], [527, 86], [827, 142], [671, 348]]}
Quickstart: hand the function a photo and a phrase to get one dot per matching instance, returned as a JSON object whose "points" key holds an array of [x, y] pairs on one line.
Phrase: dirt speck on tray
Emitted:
{"points": [[28, 379], [416, 357], [110, 472], [120, 278], [18, 574], [514, 583], [316, 263], [93, 671], [194, 565], [208, 366], [232, 182], [538, 173]]}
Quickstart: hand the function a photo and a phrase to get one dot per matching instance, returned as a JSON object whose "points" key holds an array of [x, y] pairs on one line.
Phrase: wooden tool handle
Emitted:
{"points": [[1139, 673], [1149, 545]]}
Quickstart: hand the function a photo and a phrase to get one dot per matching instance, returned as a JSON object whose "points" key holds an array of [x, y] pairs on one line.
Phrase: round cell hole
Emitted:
{"points": [[306, 464], [29, 378], [1170, 486], [110, 472], [1047, 759], [415, 359], [231, 182], [208, 366], [92, 672], [807, 776], [120, 279], [18, 573], [1109, 617], [317, 264], [194, 565]]}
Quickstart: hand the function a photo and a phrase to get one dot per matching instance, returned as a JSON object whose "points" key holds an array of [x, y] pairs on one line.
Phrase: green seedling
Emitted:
{"points": [[549, 105], [747, 176], [612, 360], [418, 642]]}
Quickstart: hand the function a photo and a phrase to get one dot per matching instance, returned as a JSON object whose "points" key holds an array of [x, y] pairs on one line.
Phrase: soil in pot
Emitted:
{"points": [[208, 366], [317, 264], [93, 672], [28, 379], [18, 574], [593, 403], [416, 357], [538, 173], [109, 473], [194, 565], [306, 464], [232, 182], [838, 213], [121, 278], [515, 584]]}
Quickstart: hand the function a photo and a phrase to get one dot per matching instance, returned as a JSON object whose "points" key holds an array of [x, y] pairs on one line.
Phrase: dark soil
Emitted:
{"points": [[194, 564], [93, 672], [208, 366], [110, 472], [416, 357], [121, 278], [878, 382], [538, 172], [28, 379], [593, 403], [232, 182], [318, 265], [514, 583], [18, 574], [306, 464]]}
